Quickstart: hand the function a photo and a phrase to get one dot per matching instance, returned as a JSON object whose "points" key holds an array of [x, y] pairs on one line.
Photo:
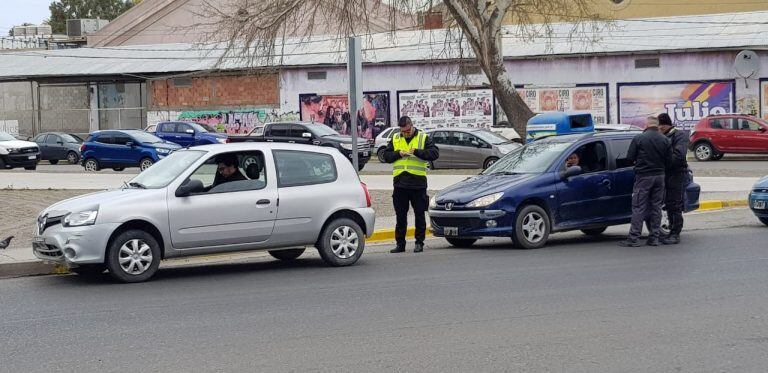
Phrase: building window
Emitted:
{"points": [[316, 75], [647, 63], [182, 82], [465, 70]]}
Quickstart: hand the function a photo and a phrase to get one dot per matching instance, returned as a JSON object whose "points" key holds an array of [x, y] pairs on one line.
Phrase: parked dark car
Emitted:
{"points": [[758, 200], [529, 194], [188, 134], [59, 146], [716, 135], [118, 149], [309, 133]]}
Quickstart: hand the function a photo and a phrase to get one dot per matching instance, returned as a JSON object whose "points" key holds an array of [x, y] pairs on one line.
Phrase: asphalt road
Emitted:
{"points": [[734, 167], [578, 305]]}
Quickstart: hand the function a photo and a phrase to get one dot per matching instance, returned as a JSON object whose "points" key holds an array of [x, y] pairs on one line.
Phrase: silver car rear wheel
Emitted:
{"points": [[341, 243], [344, 242]]}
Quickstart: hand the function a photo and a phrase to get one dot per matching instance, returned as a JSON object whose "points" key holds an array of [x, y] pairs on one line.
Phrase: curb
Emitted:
{"points": [[720, 204], [38, 268]]}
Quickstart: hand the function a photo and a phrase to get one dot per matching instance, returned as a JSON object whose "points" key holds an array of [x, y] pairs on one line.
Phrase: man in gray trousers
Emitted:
{"points": [[650, 151]]}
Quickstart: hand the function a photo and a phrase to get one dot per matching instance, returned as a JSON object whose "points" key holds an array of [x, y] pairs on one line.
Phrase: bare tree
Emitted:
{"points": [[257, 29]]}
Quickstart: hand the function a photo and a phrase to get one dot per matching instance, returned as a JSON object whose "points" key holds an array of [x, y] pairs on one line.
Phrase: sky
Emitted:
{"points": [[16, 12]]}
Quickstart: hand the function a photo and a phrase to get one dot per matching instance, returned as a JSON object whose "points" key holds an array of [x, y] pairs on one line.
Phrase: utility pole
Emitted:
{"points": [[354, 69]]}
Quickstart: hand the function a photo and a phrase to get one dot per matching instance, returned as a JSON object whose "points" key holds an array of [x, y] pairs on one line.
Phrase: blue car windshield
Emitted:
{"points": [[533, 158], [145, 138], [166, 170]]}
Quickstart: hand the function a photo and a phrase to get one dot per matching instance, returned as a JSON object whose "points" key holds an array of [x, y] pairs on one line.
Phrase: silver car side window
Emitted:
{"points": [[249, 174], [295, 168]]}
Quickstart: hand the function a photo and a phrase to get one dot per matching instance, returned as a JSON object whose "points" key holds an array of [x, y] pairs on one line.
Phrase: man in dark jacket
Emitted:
{"points": [[650, 152], [676, 178], [410, 152]]}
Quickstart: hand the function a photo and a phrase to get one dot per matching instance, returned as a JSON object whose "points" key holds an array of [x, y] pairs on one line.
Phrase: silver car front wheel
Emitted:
{"points": [[133, 256]]}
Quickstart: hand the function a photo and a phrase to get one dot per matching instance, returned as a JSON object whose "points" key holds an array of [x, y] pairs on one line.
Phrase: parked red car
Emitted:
{"points": [[716, 135]]}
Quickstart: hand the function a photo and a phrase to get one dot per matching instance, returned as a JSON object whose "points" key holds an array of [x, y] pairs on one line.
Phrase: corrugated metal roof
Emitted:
{"points": [[721, 31]]}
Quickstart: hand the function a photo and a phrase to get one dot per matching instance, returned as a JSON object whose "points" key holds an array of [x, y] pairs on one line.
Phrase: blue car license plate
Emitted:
{"points": [[450, 231], [758, 205]]}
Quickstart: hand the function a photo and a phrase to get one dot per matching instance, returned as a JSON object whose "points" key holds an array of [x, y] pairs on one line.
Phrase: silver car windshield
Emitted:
{"points": [[491, 137], [162, 173], [535, 157]]}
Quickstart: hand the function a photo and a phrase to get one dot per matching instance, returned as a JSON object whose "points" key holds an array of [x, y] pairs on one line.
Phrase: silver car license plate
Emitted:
{"points": [[450, 231], [758, 205]]}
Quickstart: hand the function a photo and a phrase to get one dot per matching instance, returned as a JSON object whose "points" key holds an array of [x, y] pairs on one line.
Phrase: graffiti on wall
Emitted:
{"points": [[240, 121]]}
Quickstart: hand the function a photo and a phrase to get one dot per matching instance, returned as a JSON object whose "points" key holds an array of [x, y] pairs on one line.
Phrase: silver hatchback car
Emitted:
{"points": [[276, 197], [469, 147]]}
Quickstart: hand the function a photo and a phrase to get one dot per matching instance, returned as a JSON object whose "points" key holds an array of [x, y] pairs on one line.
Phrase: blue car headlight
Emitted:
{"points": [[485, 200], [162, 150]]}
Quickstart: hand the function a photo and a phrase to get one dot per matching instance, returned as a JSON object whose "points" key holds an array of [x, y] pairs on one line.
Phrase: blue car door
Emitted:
{"points": [[185, 135], [126, 149], [166, 131], [585, 199], [623, 178]]}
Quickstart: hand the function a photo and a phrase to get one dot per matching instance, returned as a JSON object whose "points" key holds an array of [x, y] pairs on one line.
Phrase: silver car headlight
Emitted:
{"points": [[347, 146], [485, 200], [12, 150], [79, 219]]}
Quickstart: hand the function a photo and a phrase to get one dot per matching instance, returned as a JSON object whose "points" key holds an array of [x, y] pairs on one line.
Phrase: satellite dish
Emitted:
{"points": [[747, 64]]}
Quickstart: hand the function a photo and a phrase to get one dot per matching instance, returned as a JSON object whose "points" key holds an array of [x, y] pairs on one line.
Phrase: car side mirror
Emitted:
{"points": [[130, 143], [762, 129], [189, 187], [60, 142], [475, 144], [572, 171], [306, 135], [191, 132]]}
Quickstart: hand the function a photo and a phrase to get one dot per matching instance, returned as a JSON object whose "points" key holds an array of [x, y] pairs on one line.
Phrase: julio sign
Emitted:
{"points": [[685, 102]]}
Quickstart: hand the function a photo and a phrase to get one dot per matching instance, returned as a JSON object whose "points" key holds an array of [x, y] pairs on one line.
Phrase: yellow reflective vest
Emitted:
{"points": [[413, 165]]}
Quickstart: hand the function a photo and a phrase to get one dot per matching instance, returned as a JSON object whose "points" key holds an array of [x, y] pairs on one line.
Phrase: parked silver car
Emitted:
{"points": [[278, 197], [469, 148]]}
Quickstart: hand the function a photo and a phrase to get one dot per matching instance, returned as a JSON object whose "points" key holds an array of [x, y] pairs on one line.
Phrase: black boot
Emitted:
{"points": [[630, 242], [419, 248], [653, 242], [672, 239], [398, 249]]}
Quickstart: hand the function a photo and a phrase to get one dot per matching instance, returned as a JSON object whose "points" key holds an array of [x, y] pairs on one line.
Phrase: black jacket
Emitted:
{"points": [[650, 151], [677, 161], [407, 180]]}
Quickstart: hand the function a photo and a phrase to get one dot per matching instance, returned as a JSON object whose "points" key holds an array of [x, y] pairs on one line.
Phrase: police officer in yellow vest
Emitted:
{"points": [[410, 152]]}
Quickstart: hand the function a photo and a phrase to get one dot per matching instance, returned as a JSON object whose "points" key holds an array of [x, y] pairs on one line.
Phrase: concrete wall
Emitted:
{"points": [[17, 114], [554, 72]]}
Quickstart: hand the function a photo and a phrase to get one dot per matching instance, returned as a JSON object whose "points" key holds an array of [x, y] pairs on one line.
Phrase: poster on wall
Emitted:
{"points": [[764, 98], [686, 102], [333, 111], [586, 98], [438, 109]]}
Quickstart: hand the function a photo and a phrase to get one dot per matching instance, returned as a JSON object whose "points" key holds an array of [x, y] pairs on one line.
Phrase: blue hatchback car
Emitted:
{"points": [[530, 193], [758, 200], [118, 149]]}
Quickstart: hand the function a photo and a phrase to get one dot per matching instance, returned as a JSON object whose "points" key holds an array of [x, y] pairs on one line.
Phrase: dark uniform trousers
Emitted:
{"points": [[674, 199], [401, 199], [647, 198]]}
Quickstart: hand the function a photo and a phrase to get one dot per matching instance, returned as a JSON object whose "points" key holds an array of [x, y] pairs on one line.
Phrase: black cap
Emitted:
{"points": [[665, 120]]}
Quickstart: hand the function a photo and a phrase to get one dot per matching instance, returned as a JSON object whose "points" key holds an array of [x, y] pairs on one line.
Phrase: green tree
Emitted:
{"points": [[62, 10]]}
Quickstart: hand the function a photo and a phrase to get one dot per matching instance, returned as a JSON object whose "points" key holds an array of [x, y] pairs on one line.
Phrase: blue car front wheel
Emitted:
{"points": [[532, 227], [764, 220]]}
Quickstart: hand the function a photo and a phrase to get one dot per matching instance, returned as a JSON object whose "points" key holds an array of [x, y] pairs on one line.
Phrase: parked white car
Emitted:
{"points": [[18, 153], [277, 197]]}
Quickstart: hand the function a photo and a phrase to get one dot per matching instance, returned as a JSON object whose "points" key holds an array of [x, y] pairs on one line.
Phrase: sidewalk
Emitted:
{"points": [[21, 180]]}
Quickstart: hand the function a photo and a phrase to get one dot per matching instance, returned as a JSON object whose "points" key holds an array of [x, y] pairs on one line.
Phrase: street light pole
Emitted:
{"points": [[354, 69]]}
